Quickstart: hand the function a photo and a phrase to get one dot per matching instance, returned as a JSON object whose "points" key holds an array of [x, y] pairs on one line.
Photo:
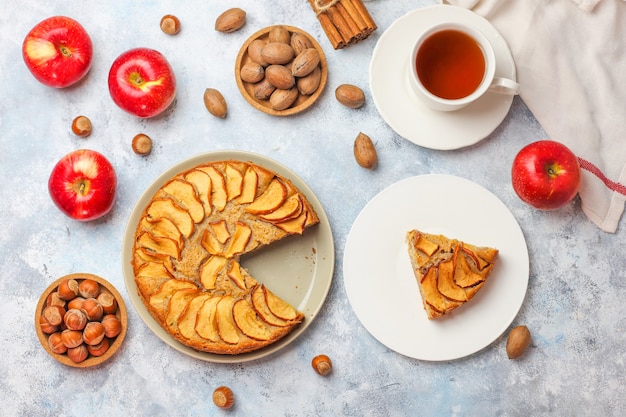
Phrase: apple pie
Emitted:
{"points": [[449, 272], [188, 247]]}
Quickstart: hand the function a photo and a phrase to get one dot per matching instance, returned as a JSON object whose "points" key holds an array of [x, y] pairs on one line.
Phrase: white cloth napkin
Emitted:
{"points": [[571, 64]]}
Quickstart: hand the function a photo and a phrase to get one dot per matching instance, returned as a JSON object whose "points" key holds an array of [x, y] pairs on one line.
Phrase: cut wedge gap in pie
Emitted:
{"points": [[188, 247], [449, 272]]}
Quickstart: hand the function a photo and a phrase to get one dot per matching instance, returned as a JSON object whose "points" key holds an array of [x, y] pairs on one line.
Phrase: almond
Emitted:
{"points": [[350, 96], [280, 77], [517, 342], [283, 99], [277, 53], [263, 90], [231, 20], [305, 62], [309, 84], [254, 52], [215, 103], [299, 42], [364, 151], [279, 34], [252, 72]]}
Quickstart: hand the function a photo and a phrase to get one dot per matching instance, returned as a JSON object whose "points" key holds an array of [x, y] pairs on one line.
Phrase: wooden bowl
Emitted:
{"points": [[303, 102], [115, 342]]}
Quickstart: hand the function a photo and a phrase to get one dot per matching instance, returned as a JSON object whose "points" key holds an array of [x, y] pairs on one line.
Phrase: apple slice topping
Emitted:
{"points": [[219, 195], [249, 187], [184, 195], [463, 274], [160, 299], [152, 275], [290, 209], [234, 273], [239, 240], [272, 198], [248, 322], [206, 320], [210, 270], [425, 245], [234, 182], [262, 309], [202, 183], [445, 281], [165, 207], [220, 229], [296, 225], [178, 303], [155, 244], [143, 256], [211, 244], [432, 295], [187, 320], [163, 228], [225, 324], [279, 307]]}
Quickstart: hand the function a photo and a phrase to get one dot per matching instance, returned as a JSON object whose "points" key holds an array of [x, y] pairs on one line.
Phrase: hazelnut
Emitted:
{"points": [[81, 126], [93, 333], [54, 300], [322, 364], [54, 314], [72, 338], [142, 144], [76, 303], [55, 341], [223, 397], [112, 325], [46, 327], [89, 288], [99, 349], [170, 24], [68, 289], [108, 302], [75, 319], [78, 354], [92, 309]]}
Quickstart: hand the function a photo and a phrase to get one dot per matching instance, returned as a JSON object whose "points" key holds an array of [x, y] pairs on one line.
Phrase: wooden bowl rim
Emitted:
{"points": [[264, 105], [122, 313]]}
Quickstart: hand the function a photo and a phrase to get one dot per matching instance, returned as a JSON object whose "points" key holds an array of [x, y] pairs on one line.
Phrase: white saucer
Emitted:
{"points": [[380, 283], [401, 108]]}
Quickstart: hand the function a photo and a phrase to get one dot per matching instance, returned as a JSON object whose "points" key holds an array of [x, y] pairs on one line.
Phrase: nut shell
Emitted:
{"points": [[277, 53], [215, 103], [518, 340], [280, 77], [350, 96], [88, 288], [252, 72], [305, 62], [142, 144], [364, 151], [170, 24], [75, 319], [230, 20], [223, 397], [81, 126], [322, 364], [283, 99]]}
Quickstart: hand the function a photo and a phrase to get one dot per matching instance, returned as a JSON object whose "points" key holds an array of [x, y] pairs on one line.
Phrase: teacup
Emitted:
{"points": [[452, 65]]}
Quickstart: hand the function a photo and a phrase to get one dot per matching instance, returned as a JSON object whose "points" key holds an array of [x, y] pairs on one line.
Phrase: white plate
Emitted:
{"points": [[379, 279], [401, 108], [299, 268]]}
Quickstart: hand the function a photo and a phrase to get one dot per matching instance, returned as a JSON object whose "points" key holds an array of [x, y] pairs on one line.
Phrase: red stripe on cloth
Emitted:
{"points": [[612, 185]]}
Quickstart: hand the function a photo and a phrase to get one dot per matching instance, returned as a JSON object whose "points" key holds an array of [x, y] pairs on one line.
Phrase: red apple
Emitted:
{"points": [[58, 51], [83, 185], [142, 82], [546, 174]]}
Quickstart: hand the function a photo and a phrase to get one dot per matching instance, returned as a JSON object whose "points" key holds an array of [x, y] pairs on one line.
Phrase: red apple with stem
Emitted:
{"points": [[142, 82], [546, 174], [83, 185], [58, 51]]}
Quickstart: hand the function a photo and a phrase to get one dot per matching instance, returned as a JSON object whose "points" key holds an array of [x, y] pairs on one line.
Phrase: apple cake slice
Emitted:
{"points": [[449, 272], [188, 245]]}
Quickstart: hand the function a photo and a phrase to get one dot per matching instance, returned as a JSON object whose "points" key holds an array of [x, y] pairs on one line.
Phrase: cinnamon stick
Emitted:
{"points": [[344, 21]]}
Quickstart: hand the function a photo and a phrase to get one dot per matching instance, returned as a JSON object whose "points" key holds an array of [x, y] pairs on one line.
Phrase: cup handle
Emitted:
{"points": [[504, 86]]}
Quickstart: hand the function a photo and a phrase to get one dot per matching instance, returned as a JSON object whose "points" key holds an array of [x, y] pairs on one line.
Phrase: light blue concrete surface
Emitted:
{"points": [[574, 307]]}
